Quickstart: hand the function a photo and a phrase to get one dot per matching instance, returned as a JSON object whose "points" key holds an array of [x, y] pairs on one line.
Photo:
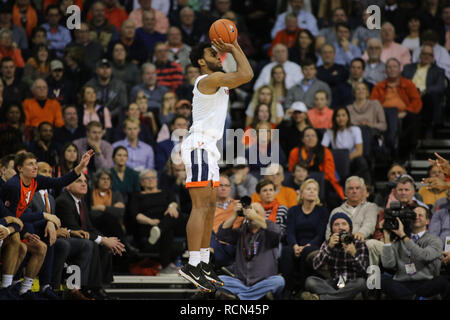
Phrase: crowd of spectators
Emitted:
{"points": [[345, 99]]}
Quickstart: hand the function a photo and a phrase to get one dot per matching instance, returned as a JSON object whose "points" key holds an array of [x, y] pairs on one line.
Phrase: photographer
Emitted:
{"points": [[347, 260], [416, 258], [256, 265]]}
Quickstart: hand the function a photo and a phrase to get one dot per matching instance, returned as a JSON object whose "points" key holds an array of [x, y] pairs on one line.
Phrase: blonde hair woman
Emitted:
{"points": [[305, 232], [266, 95]]}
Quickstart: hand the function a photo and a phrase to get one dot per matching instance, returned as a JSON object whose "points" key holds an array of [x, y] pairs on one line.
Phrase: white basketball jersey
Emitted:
{"points": [[209, 112]]}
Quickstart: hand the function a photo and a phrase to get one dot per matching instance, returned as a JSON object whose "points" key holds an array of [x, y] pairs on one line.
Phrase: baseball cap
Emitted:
{"points": [[56, 64], [299, 106], [103, 62]]}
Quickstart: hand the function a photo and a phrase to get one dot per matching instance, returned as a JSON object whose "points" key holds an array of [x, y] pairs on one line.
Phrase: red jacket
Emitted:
{"points": [[407, 91]]}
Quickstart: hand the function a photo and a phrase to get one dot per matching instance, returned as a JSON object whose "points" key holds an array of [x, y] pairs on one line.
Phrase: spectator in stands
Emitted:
{"points": [[168, 73], [24, 8], [114, 13], [328, 34], [397, 15], [155, 213], [305, 19], [68, 159], [307, 88], [192, 27], [7, 48], [284, 195], [178, 129], [124, 179], [92, 111], [395, 171], [256, 269], [150, 87], [357, 66], [366, 112], [345, 51], [440, 227], [304, 48], [375, 70], [135, 48], [140, 155], [362, 213], [41, 108], [266, 95], [19, 34], [93, 50], [76, 70], [59, 87], [412, 39], [101, 30], [103, 149], [344, 135], [261, 115], [430, 81], [401, 93], [44, 147], [441, 54], [167, 113], [190, 75], [362, 34], [305, 232], [147, 33], [278, 83], [299, 175], [12, 131], [417, 258], [347, 263], [72, 128], [178, 51], [147, 118], [161, 21], [15, 90], [320, 116], [37, 66], [38, 36], [58, 36], [6, 168], [242, 183], [73, 211], [288, 34], [280, 56], [111, 92], [319, 159], [390, 48], [224, 253], [431, 195], [332, 73]]}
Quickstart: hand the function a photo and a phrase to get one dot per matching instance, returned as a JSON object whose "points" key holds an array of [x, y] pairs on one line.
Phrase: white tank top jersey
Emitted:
{"points": [[209, 111]]}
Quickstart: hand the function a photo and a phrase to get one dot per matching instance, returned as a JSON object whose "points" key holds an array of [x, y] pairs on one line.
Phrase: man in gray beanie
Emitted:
{"points": [[347, 259]]}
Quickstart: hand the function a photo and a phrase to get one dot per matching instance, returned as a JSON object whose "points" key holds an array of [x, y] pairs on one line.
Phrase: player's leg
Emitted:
{"points": [[13, 252], [37, 251]]}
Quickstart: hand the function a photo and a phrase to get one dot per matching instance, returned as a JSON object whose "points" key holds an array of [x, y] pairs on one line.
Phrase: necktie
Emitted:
{"points": [[82, 215], [47, 204], [415, 237]]}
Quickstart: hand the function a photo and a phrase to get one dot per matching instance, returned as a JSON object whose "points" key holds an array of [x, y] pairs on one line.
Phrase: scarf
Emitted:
{"points": [[274, 207], [104, 198]]}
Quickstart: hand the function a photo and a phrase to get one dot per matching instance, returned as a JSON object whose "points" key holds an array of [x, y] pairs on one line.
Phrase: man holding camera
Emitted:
{"points": [[347, 259], [416, 257], [256, 265]]}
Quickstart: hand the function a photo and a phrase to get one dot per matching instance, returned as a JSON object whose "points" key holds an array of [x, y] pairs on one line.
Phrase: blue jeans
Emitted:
{"points": [[256, 291]]}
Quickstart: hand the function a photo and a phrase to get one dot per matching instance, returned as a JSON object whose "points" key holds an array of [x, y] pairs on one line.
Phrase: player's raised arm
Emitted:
{"points": [[243, 74]]}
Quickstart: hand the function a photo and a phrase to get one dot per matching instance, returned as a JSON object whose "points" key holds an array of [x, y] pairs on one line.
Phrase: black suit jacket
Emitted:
{"points": [[435, 77], [66, 210]]}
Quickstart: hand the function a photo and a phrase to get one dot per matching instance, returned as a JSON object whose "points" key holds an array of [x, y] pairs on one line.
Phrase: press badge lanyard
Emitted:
{"points": [[410, 267]]}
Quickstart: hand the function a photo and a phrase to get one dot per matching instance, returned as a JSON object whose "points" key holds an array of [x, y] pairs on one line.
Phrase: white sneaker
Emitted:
{"points": [[155, 233]]}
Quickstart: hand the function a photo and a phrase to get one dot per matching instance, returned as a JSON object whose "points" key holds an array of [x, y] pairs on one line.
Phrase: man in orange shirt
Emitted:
{"points": [[286, 196], [398, 92], [41, 108], [114, 13]]}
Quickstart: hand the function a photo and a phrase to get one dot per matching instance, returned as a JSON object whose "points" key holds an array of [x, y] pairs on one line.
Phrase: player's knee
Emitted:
{"points": [[42, 248], [22, 250]]}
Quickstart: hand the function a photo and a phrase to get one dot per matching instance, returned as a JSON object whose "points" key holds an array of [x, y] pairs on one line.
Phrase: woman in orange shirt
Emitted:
{"points": [[321, 159], [262, 114], [8, 48]]}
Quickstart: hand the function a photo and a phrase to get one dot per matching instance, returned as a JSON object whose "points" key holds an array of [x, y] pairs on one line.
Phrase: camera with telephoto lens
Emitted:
{"points": [[345, 237], [246, 201], [406, 216]]}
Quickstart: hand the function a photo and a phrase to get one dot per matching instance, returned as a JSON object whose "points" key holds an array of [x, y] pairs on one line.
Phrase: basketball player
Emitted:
{"points": [[200, 154]]}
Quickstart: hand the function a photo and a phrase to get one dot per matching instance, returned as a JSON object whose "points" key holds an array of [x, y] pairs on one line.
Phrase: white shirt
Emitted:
{"points": [[42, 193], [347, 139], [305, 21], [294, 74], [77, 202]]}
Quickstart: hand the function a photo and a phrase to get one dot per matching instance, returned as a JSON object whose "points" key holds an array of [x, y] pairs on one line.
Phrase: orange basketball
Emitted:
{"points": [[225, 29]]}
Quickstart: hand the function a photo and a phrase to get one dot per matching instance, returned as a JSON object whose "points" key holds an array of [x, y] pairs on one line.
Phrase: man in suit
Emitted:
{"points": [[66, 248], [430, 81], [73, 212]]}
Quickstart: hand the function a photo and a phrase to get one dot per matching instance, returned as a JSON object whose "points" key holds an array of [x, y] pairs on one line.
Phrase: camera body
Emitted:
{"points": [[406, 216], [246, 202], [345, 237]]}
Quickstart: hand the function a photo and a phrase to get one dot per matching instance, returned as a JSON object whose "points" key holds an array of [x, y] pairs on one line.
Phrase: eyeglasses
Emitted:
{"points": [[225, 185]]}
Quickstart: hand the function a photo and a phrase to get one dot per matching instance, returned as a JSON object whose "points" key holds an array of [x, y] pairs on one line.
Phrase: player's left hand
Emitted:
{"points": [[221, 46]]}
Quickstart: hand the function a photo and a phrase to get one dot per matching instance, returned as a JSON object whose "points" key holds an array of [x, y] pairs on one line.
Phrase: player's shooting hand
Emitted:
{"points": [[221, 46]]}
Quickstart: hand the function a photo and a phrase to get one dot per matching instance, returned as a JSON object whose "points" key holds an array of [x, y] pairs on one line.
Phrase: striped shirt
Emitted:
{"points": [[281, 218], [169, 74]]}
